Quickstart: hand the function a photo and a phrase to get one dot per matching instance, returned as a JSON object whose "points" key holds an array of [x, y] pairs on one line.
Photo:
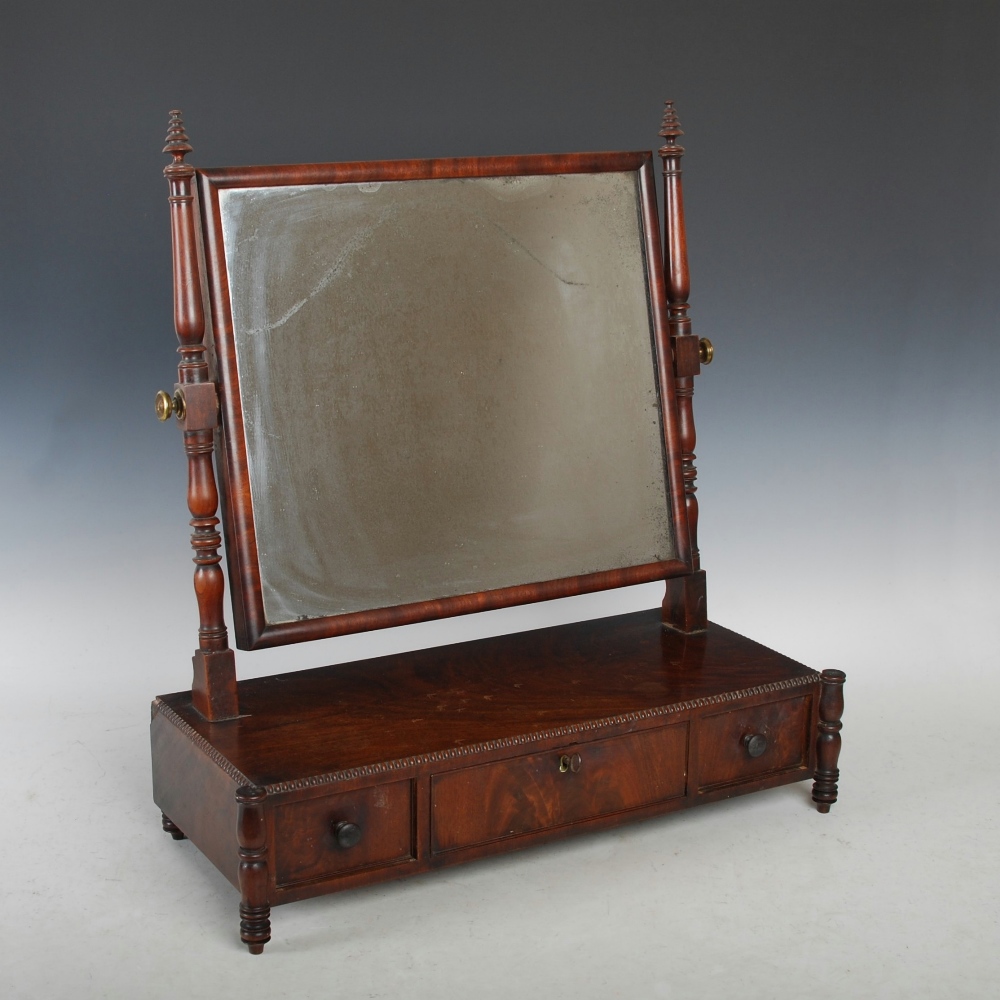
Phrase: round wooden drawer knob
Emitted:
{"points": [[347, 834], [756, 744], [570, 762]]}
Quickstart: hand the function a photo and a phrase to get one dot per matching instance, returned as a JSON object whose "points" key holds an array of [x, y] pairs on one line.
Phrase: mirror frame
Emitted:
{"points": [[251, 628]]}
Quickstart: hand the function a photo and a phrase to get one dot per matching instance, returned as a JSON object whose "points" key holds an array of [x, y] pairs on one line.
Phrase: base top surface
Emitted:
{"points": [[359, 714]]}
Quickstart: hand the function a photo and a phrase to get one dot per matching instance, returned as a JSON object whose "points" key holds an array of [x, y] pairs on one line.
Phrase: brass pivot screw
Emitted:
{"points": [[167, 405], [570, 762], [705, 351]]}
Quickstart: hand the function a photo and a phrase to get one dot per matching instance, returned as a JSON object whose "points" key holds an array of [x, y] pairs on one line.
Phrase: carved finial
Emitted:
{"points": [[670, 130], [178, 145]]}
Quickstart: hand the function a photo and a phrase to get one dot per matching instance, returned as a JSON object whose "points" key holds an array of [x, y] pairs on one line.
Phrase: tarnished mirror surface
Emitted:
{"points": [[448, 386]]}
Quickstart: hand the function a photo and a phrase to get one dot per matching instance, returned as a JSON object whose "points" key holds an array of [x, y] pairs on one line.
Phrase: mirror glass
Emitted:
{"points": [[448, 386]]}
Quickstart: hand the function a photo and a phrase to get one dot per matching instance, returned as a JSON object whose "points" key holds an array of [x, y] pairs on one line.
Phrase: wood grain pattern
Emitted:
{"points": [[305, 841], [476, 805], [463, 742], [361, 172], [722, 751], [196, 788], [473, 732], [336, 718]]}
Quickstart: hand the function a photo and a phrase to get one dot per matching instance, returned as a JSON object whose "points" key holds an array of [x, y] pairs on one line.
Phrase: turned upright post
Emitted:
{"points": [[831, 708], [251, 834], [195, 402], [684, 606]]}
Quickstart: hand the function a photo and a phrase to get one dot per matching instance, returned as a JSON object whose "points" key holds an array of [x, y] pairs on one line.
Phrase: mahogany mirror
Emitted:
{"points": [[445, 387]]}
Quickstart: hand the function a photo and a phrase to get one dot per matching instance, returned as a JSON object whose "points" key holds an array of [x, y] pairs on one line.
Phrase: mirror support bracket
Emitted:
{"points": [[684, 606], [213, 689]]}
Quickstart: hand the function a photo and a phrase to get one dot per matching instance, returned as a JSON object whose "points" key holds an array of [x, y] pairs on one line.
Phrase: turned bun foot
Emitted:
{"points": [[255, 927], [170, 827]]}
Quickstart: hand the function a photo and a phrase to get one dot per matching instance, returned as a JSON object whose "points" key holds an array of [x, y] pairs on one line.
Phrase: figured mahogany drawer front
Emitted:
{"points": [[338, 833], [750, 742], [477, 805]]}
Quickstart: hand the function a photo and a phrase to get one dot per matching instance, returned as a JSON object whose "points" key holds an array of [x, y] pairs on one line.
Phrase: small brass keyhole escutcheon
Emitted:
{"points": [[570, 762]]}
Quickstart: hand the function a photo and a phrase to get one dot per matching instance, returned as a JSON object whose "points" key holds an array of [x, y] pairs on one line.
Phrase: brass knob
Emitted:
{"points": [[755, 743], [570, 762], [347, 834], [167, 405], [705, 351]]}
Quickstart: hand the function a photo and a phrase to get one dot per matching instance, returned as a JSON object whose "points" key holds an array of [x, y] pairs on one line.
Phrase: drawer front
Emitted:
{"points": [[309, 845], [478, 805], [750, 742]]}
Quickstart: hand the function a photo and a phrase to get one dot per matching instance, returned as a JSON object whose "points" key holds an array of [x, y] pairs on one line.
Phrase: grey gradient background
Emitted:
{"points": [[841, 194]]}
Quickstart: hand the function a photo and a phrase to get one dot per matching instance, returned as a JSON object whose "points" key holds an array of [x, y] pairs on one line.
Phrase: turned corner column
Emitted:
{"points": [[831, 708], [684, 605], [195, 402], [251, 835]]}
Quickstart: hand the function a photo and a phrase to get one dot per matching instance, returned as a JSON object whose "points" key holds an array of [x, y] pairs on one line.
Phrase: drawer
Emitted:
{"points": [[308, 844], [747, 743], [542, 791]]}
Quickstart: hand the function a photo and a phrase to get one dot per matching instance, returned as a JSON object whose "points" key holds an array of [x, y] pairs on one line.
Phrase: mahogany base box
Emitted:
{"points": [[356, 773]]}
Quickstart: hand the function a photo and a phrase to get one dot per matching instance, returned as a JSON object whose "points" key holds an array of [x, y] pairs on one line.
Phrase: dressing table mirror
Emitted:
{"points": [[419, 389]]}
